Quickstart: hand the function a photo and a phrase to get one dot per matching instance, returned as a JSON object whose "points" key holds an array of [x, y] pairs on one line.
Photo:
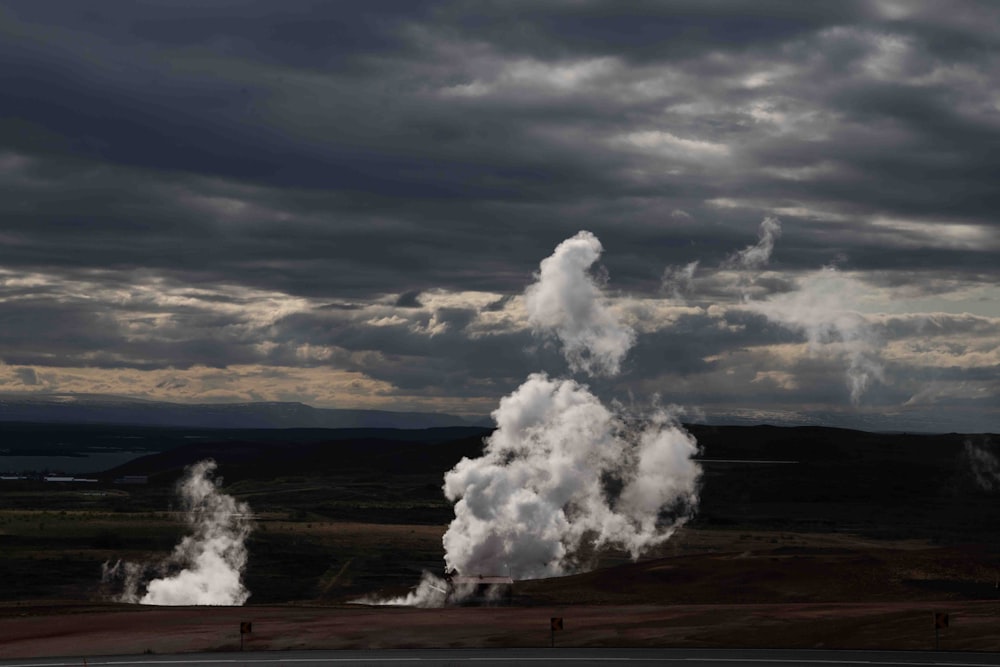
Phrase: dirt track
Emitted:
{"points": [[76, 630]]}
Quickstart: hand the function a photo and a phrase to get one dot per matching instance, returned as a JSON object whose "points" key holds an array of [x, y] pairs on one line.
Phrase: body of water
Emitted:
{"points": [[95, 462]]}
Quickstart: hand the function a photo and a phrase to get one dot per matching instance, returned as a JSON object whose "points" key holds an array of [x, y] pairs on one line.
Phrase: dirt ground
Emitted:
{"points": [[72, 630], [706, 588]]}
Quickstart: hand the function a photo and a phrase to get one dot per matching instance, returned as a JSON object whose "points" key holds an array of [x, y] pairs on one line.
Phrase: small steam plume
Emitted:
{"points": [[678, 281], [432, 591], [984, 465], [756, 256], [565, 301], [206, 567], [821, 309]]}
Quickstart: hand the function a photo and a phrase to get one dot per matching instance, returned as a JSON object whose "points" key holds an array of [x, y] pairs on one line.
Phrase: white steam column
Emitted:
{"points": [[206, 567], [562, 470]]}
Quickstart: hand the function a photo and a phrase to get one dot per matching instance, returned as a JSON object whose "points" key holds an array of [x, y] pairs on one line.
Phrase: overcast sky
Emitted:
{"points": [[343, 203]]}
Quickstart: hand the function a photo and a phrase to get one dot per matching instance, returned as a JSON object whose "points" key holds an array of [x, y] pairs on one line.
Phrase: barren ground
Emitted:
{"points": [[707, 588], [854, 541], [72, 630]]}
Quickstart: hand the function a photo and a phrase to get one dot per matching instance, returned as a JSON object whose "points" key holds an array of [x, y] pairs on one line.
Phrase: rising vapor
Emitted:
{"points": [[748, 262], [678, 281], [983, 464], [823, 309], [206, 567], [756, 256], [564, 474], [562, 471], [566, 302]]}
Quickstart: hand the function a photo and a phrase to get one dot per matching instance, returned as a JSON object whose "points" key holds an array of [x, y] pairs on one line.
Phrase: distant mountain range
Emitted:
{"points": [[93, 409], [899, 421], [112, 410]]}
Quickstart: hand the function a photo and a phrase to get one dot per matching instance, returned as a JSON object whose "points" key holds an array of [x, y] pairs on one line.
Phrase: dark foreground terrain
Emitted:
{"points": [[804, 537]]}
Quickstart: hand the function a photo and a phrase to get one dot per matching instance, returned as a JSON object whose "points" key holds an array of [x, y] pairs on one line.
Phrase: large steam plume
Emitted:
{"points": [[562, 471], [206, 567], [567, 302], [563, 474]]}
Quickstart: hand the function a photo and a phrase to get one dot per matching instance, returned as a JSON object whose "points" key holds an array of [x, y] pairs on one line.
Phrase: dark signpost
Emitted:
{"points": [[246, 627], [555, 623], [940, 621]]}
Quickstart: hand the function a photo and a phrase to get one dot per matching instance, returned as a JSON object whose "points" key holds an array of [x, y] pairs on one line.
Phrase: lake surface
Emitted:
{"points": [[91, 462]]}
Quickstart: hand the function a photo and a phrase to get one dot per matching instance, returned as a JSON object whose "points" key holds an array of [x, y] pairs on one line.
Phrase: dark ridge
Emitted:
{"points": [[88, 409], [341, 452]]}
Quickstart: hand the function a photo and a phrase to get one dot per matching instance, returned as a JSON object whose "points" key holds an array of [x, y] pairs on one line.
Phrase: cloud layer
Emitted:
{"points": [[235, 201]]}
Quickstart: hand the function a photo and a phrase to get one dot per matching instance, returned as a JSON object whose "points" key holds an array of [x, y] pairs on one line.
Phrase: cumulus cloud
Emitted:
{"points": [[566, 301], [217, 233], [206, 567]]}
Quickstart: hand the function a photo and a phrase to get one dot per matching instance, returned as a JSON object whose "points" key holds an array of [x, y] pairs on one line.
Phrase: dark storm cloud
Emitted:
{"points": [[170, 88], [413, 360], [642, 31], [318, 170], [409, 299], [27, 376]]}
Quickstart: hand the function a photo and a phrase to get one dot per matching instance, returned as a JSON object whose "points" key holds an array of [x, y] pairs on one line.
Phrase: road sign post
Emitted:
{"points": [[940, 621], [555, 623], [245, 628]]}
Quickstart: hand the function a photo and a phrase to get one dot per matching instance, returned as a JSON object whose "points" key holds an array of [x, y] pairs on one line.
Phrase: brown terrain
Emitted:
{"points": [[720, 589], [855, 545]]}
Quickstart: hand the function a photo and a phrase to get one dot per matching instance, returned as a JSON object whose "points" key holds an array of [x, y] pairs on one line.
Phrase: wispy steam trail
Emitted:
{"points": [[432, 591], [983, 464], [678, 281], [567, 302], [758, 255], [206, 567], [749, 261], [821, 309]]}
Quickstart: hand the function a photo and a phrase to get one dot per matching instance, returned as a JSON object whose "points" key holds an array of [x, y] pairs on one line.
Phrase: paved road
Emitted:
{"points": [[527, 657]]}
